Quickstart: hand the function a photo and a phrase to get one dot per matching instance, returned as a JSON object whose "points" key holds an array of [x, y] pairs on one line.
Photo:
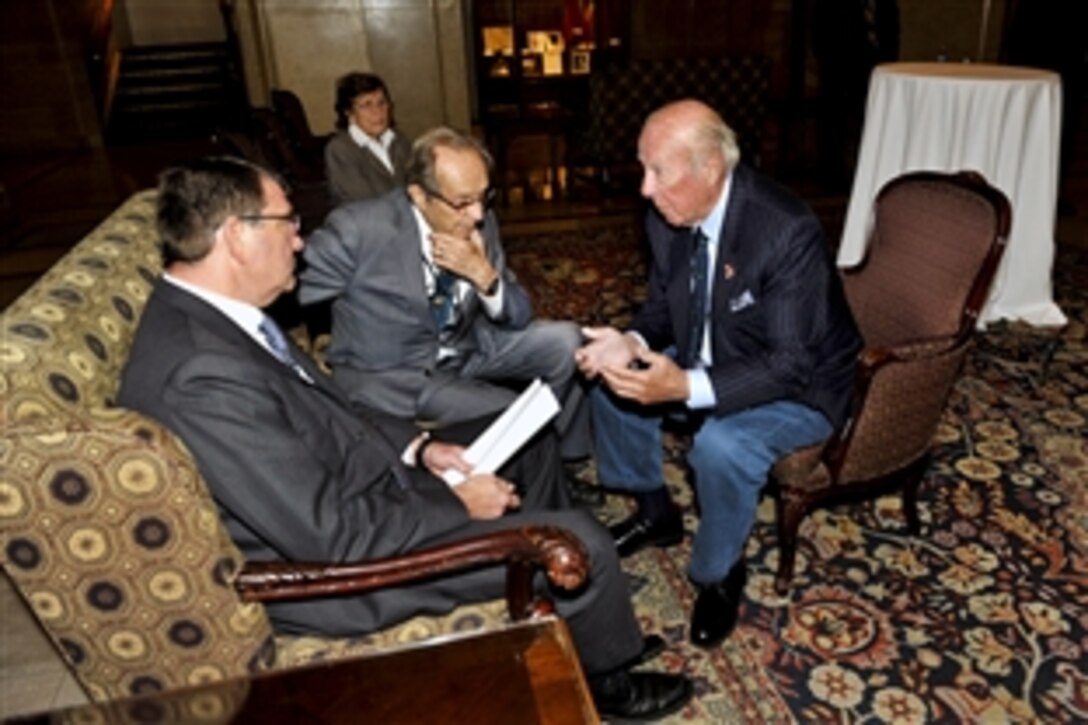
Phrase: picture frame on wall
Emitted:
{"points": [[532, 64], [579, 62]]}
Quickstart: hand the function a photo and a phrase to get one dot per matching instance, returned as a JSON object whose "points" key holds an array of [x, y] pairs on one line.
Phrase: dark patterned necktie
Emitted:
{"points": [[697, 303], [443, 308]]}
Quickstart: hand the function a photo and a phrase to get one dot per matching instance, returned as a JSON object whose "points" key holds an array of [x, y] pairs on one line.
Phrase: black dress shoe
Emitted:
{"points": [[652, 646], [582, 493], [635, 533], [639, 695], [716, 608]]}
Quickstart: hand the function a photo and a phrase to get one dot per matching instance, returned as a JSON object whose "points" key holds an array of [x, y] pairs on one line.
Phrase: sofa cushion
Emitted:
{"points": [[108, 532], [295, 650], [64, 342]]}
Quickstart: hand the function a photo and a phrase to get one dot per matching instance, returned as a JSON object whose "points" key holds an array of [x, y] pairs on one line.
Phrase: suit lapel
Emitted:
{"points": [[225, 328], [409, 250], [680, 251], [211, 319], [729, 240], [679, 292], [221, 326], [367, 157]]}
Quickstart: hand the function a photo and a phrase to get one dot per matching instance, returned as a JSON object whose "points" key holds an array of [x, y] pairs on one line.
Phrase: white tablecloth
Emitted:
{"points": [[1002, 121]]}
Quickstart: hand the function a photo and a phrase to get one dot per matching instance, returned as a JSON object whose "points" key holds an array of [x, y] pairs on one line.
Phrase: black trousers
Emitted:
{"points": [[600, 615]]}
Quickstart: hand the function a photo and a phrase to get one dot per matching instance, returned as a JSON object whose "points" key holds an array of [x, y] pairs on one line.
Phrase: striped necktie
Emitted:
{"points": [[443, 306], [697, 307]]}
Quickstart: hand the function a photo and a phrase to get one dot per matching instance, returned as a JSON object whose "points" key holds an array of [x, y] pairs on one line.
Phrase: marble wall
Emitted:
{"points": [[154, 22], [416, 46]]}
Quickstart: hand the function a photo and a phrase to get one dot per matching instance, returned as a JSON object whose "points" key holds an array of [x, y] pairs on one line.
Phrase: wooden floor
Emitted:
{"points": [[50, 202]]}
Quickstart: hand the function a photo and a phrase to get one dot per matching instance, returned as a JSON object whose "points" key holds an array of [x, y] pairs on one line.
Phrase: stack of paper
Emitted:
{"points": [[518, 423]]}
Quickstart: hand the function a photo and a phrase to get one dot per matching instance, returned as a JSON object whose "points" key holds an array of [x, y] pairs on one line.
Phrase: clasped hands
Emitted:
{"points": [[464, 256], [484, 495], [629, 368]]}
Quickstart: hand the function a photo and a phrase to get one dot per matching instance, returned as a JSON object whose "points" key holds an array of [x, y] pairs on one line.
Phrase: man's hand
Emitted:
{"points": [[439, 457], [660, 380], [607, 347], [464, 257], [486, 496]]}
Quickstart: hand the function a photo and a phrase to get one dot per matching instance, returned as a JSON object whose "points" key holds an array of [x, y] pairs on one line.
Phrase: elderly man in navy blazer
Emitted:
{"points": [[745, 332]]}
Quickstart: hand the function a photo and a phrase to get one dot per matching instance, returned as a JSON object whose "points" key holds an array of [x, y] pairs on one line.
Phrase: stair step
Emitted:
{"points": [[153, 54], [189, 70], [209, 88], [176, 91]]}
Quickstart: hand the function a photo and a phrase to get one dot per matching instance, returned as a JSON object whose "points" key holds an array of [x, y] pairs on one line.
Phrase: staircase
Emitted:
{"points": [[171, 92]]}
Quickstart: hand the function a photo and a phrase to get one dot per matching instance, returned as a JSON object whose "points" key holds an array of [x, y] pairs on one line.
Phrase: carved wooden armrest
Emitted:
{"points": [[557, 551]]}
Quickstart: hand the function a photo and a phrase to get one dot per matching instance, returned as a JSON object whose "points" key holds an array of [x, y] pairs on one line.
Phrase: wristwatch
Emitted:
{"points": [[427, 440]]}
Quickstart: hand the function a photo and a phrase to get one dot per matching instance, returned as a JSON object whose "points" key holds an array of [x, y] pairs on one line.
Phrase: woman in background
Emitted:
{"points": [[366, 157]]}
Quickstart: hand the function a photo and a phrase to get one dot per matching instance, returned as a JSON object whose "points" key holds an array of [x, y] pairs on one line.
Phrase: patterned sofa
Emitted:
{"points": [[622, 95], [106, 527]]}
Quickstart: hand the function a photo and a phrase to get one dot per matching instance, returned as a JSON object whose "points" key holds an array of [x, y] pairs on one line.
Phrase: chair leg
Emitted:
{"points": [[792, 509], [912, 482]]}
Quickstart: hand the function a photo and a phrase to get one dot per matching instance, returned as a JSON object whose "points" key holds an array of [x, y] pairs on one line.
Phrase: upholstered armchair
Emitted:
{"points": [[108, 530], [935, 245], [306, 143]]}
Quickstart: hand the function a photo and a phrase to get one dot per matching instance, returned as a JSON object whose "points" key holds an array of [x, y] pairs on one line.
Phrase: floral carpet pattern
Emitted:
{"points": [[982, 618]]}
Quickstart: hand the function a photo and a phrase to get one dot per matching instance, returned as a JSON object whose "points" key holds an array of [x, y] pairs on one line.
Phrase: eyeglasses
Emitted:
{"points": [[484, 200], [294, 219]]}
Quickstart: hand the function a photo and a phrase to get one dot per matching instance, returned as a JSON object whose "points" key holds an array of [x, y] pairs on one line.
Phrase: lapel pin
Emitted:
{"points": [[728, 270]]}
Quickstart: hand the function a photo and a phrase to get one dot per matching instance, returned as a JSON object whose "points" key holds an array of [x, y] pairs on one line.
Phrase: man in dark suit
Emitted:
{"points": [[758, 350], [428, 322], [299, 475]]}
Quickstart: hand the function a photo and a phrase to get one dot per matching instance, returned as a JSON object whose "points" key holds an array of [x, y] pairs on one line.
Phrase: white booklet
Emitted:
{"points": [[525, 416]]}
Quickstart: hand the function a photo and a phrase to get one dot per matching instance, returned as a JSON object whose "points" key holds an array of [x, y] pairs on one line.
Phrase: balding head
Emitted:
{"points": [[699, 128], [686, 151]]}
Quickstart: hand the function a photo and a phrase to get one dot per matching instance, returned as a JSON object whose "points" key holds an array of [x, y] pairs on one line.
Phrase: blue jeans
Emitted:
{"points": [[731, 456]]}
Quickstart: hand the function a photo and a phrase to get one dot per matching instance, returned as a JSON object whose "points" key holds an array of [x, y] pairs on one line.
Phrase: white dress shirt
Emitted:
{"points": [[377, 146], [700, 391]]}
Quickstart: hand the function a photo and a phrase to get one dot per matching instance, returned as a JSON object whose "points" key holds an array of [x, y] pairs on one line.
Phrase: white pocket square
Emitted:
{"points": [[744, 299]]}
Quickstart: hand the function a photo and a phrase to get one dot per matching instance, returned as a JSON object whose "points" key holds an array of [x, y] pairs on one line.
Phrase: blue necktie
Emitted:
{"points": [[697, 306], [277, 342]]}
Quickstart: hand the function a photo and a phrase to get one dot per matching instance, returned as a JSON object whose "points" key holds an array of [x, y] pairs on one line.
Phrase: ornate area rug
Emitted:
{"points": [[982, 618]]}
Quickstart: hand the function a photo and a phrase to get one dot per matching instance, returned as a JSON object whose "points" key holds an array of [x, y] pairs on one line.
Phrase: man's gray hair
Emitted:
{"points": [[421, 166], [715, 133]]}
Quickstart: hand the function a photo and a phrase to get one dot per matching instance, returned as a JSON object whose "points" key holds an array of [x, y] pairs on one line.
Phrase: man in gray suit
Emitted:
{"points": [[299, 475], [428, 322]]}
